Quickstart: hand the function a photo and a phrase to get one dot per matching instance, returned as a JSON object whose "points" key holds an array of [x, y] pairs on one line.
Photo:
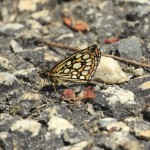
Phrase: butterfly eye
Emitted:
{"points": [[92, 48]]}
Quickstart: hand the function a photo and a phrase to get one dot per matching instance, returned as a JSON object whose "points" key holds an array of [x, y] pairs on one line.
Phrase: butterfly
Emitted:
{"points": [[79, 67]]}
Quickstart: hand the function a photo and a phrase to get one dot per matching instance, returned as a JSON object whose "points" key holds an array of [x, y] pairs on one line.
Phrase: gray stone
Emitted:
{"points": [[26, 74], [5, 63], [119, 95], [138, 72], [142, 10], [140, 128], [106, 121], [110, 72], [130, 49], [6, 121], [27, 5], [11, 27], [115, 140], [58, 125], [43, 16], [7, 79], [27, 125], [6, 141], [16, 47], [73, 136], [111, 124]]}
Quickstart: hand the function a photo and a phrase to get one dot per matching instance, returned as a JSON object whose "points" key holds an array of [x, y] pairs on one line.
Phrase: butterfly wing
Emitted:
{"points": [[79, 66]]}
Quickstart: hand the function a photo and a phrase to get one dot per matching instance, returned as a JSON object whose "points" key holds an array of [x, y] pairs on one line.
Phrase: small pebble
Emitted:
{"points": [[16, 47], [109, 72], [106, 121], [11, 27], [138, 72], [119, 95]]}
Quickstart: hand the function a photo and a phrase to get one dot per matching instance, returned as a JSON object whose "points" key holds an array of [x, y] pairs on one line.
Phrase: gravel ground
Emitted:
{"points": [[112, 112]]}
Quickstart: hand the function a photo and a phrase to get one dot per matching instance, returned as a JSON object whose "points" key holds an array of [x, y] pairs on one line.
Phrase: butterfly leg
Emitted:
{"points": [[53, 84], [61, 83]]}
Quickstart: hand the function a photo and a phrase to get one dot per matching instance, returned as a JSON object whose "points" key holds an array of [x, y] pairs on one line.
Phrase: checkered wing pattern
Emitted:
{"points": [[80, 66]]}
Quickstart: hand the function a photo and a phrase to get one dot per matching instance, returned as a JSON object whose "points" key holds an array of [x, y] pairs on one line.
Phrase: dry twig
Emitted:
{"points": [[60, 45], [128, 61]]}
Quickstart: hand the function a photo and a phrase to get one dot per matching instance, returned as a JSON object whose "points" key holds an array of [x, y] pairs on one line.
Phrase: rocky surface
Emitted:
{"points": [[113, 112]]}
